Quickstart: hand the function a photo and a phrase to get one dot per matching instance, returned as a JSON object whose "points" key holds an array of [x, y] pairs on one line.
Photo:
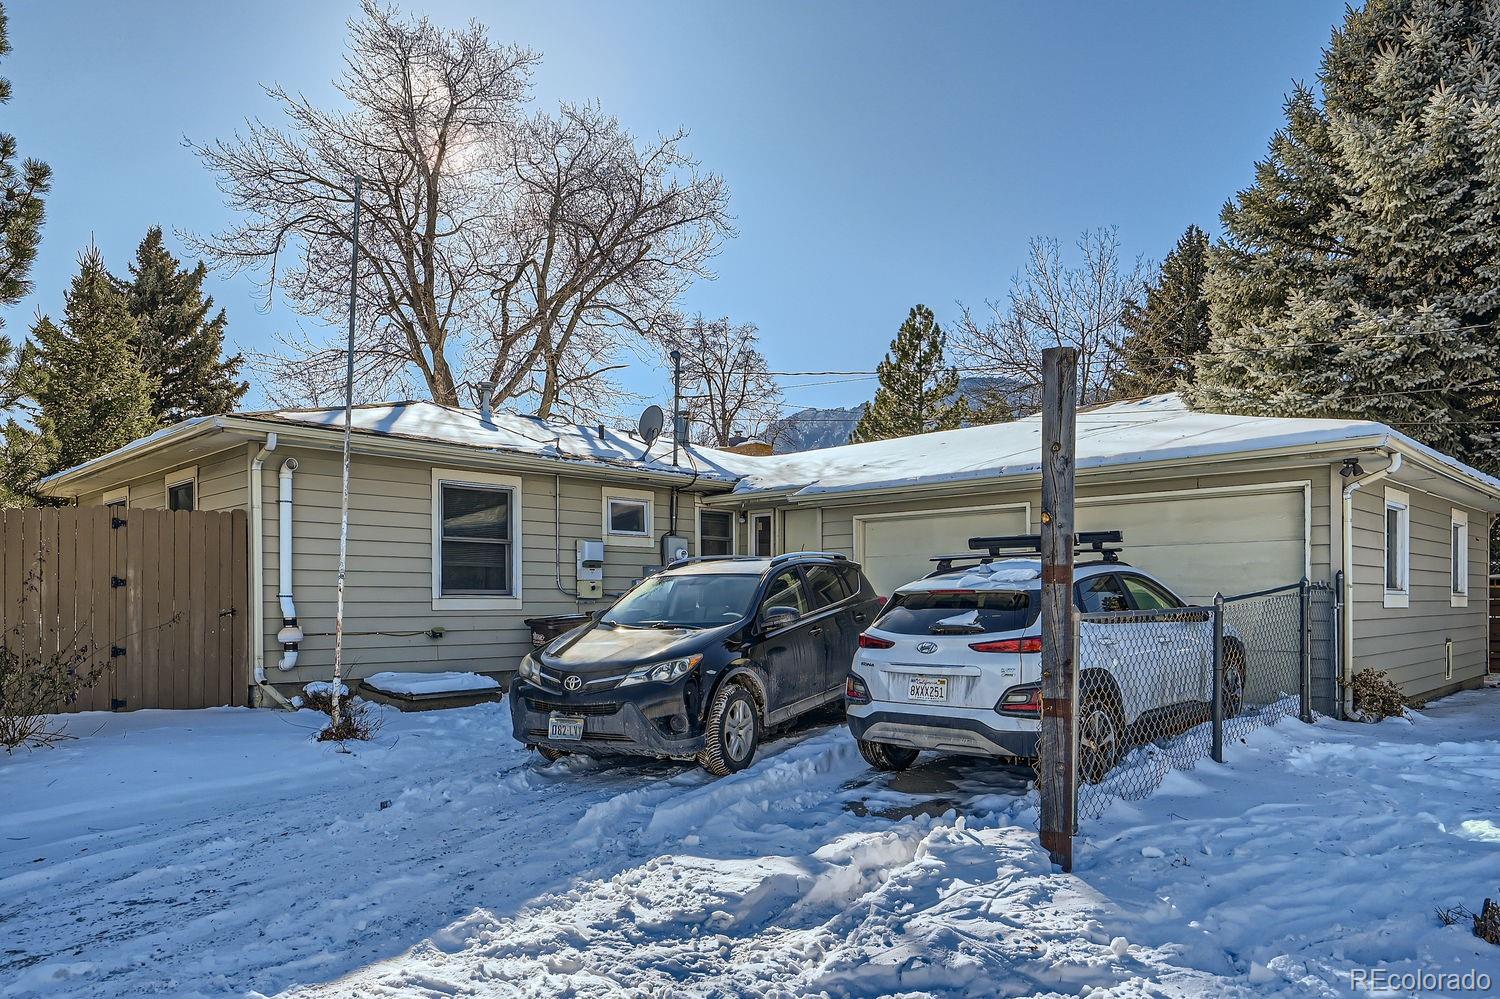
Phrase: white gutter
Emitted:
{"points": [[257, 575], [1346, 668], [291, 633]]}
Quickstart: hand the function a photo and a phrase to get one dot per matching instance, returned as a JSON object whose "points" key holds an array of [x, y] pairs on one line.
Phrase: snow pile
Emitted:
{"points": [[429, 684], [986, 576], [207, 853]]}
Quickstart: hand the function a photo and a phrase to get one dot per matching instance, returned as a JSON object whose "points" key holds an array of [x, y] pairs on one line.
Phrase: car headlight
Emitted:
{"points": [[662, 672], [530, 669]]}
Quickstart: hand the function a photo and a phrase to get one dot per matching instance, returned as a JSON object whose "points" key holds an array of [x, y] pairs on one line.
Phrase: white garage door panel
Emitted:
{"points": [[1201, 545], [899, 549]]}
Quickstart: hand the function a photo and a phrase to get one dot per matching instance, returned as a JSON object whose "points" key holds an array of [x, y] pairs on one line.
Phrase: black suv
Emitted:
{"points": [[698, 660]]}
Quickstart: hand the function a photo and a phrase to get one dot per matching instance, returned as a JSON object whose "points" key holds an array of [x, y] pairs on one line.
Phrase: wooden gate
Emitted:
{"points": [[162, 594]]}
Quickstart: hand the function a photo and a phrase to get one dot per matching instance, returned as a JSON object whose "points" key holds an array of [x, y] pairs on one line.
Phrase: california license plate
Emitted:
{"points": [[928, 688], [564, 727]]}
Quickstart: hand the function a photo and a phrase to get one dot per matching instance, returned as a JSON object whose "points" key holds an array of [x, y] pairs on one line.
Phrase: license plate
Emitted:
{"points": [[564, 727], [928, 688]]}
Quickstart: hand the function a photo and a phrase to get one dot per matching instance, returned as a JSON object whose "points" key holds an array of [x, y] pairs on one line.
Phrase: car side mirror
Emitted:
{"points": [[778, 616]]}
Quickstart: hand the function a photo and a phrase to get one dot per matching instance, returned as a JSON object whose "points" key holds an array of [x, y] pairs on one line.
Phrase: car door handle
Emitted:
{"points": [[815, 631], [861, 618]]}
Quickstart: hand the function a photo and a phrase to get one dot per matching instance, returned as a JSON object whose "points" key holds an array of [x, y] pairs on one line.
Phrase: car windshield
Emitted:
{"points": [[958, 612], [691, 600]]}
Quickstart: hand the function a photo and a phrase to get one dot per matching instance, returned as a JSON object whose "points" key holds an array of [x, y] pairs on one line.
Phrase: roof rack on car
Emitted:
{"points": [[1089, 541], [784, 556], [710, 558]]}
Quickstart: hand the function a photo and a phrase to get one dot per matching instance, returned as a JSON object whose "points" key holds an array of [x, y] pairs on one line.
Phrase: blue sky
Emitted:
{"points": [[878, 154]]}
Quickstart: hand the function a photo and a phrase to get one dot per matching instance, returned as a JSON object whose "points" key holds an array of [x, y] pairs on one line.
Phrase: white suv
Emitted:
{"points": [[953, 663]]}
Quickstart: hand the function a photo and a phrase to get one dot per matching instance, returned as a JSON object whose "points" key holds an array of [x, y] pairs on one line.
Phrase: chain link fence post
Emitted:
{"points": [[1304, 688], [1217, 706], [1338, 644]]}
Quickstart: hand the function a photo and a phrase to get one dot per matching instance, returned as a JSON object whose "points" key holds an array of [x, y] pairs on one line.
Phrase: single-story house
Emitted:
{"points": [[463, 524]]}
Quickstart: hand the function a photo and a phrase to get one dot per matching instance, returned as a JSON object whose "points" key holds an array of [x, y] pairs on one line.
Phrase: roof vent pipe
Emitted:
{"points": [[486, 401], [290, 635]]}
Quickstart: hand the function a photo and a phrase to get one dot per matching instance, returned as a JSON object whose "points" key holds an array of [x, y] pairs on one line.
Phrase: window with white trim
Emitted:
{"points": [[182, 489], [118, 498], [476, 543], [1397, 548], [1458, 558], [627, 517]]}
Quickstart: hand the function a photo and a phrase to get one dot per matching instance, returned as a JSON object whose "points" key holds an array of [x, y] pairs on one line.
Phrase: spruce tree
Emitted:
{"points": [[180, 348], [83, 374], [1360, 273], [22, 207], [918, 392], [1167, 333]]}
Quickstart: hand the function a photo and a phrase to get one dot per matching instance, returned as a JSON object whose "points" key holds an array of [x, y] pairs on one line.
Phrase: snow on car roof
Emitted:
{"points": [[1159, 428], [1003, 574]]}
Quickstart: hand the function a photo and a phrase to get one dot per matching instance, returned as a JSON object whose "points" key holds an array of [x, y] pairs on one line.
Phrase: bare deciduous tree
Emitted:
{"points": [[729, 391], [1055, 303], [495, 245]]}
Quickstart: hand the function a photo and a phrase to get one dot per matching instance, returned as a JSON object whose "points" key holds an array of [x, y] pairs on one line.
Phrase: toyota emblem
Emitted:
{"points": [[574, 682], [927, 648]]}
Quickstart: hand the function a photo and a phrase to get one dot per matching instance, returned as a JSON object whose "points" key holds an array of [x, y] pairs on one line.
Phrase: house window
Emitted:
{"points": [[762, 541], [182, 489], [118, 499], [1458, 559], [627, 517], [476, 541], [1397, 548], [715, 532]]}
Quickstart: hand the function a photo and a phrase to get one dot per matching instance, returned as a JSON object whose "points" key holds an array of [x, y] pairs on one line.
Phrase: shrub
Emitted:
{"points": [[1376, 696], [33, 686], [318, 695], [356, 722]]}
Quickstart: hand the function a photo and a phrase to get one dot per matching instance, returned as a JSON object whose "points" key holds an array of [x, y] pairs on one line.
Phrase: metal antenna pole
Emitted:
{"points": [[338, 613]]}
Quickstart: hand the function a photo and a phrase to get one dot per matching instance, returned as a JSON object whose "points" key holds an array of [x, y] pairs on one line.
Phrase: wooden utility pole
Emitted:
{"points": [[1057, 770]]}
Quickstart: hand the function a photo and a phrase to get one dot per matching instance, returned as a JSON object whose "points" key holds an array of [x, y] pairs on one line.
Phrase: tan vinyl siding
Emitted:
{"points": [[1410, 643], [223, 483], [389, 589]]}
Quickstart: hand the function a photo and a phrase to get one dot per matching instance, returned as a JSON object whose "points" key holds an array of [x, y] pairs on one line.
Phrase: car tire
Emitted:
{"points": [[1101, 734], [883, 756], [732, 733], [552, 755], [1232, 693]]}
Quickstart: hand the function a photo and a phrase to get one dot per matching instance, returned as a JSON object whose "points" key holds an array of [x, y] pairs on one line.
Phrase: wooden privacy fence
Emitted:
{"points": [[162, 594]]}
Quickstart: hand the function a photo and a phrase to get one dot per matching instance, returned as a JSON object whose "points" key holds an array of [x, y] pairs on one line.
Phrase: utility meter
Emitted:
{"points": [[673, 548], [590, 571]]}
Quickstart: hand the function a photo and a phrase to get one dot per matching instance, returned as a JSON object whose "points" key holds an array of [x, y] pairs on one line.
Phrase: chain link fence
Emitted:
{"points": [[1161, 689]]}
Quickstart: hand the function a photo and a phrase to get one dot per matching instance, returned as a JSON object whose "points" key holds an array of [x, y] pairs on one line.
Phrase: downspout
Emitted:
{"points": [[257, 574], [1346, 668], [291, 633]]}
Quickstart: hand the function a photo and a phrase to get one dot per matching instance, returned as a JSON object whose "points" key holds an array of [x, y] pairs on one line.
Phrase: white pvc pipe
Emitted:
{"points": [[257, 573], [290, 634]]}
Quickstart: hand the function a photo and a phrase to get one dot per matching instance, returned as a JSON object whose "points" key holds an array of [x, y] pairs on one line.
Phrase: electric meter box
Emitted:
{"points": [[673, 548], [590, 569]]}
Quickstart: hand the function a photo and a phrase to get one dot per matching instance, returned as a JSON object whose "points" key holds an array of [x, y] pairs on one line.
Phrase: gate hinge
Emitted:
{"points": [[117, 581], [116, 651], [116, 522]]}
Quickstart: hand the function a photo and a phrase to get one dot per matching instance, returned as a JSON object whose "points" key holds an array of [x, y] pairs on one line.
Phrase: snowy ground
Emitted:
{"points": [[224, 853]]}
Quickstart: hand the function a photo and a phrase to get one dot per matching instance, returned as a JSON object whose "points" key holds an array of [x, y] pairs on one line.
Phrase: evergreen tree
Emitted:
{"points": [[89, 389], [917, 392], [180, 348], [1167, 333], [21, 212], [1360, 274]]}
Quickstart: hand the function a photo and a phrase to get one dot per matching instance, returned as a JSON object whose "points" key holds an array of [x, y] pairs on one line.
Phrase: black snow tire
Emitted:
{"points": [[732, 733], [883, 756], [1101, 734]]}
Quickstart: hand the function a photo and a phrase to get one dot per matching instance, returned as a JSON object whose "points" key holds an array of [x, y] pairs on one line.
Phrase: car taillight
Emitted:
{"points": [[871, 642], [1009, 645], [855, 690], [1023, 701]]}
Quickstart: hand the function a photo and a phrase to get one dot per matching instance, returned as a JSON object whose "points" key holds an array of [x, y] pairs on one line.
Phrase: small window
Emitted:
{"points": [[826, 586], [1101, 593], [1147, 595], [1458, 560], [715, 532], [760, 535], [117, 499], [476, 541], [181, 496], [787, 590], [1397, 548], [627, 517]]}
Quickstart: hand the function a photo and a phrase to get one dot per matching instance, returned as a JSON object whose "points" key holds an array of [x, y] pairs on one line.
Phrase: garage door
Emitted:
{"points": [[898, 549], [1206, 543]]}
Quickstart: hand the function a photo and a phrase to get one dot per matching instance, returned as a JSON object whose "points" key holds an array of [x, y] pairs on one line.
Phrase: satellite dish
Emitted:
{"points": [[649, 427]]}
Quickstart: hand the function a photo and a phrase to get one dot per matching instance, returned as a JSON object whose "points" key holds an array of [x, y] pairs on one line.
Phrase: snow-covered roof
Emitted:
{"points": [[1159, 428], [507, 432]]}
